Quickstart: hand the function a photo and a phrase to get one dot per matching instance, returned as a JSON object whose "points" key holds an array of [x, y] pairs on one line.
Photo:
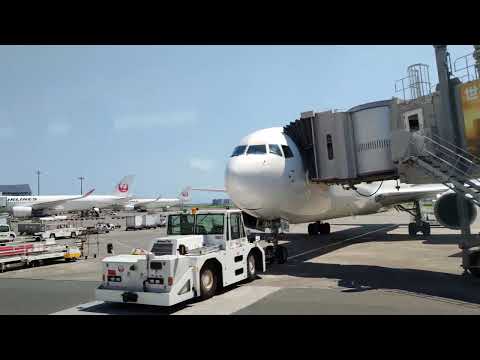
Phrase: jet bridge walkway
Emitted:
{"points": [[448, 164]]}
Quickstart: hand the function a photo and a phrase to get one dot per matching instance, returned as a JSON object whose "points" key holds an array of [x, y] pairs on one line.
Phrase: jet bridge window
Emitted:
{"points": [[287, 152], [257, 149], [239, 150], [329, 147], [275, 149]]}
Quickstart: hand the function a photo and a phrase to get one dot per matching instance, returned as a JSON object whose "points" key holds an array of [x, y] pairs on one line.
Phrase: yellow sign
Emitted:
{"points": [[470, 95]]}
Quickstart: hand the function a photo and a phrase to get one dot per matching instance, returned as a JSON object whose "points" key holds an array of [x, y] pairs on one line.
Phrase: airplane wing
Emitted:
{"points": [[417, 192], [46, 204], [212, 190]]}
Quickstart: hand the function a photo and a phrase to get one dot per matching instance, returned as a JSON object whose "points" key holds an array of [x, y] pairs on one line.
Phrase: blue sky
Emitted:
{"points": [[171, 114]]}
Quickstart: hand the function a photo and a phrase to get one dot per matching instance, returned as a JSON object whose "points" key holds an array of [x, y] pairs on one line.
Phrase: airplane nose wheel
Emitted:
{"points": [[318, 228]]}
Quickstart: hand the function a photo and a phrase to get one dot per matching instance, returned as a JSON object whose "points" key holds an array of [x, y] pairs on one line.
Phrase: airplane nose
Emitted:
{"points": [[243, 182]]}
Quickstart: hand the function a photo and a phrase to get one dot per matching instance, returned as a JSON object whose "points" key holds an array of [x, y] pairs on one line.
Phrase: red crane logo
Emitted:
{"points": [[123, 188]]}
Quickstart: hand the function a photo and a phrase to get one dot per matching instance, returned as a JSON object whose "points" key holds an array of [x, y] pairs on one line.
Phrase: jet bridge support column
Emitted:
{"points": [[449, 127]]}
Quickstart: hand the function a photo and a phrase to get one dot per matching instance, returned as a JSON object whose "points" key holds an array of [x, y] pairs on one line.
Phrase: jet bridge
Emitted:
{"points": [[356, 145]]}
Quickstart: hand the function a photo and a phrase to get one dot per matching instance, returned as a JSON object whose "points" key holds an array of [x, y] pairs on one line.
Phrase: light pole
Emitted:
{"points": [[81, 178], [38, 172]]}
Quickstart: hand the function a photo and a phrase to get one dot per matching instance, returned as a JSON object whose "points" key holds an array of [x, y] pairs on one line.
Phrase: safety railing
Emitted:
{"points": [[465, 68]]}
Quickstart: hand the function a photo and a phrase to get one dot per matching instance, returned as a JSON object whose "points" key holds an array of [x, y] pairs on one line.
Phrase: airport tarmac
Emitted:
{"points": [[367, 265]]}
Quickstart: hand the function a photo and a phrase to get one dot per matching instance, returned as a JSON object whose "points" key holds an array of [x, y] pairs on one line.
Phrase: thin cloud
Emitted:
{"points": [[6, 132], [58, 128], [202, 164], [148, 121]]}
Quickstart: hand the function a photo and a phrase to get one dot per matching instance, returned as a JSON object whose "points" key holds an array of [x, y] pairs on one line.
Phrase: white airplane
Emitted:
{"points": [[265, 177], [26, 206], [159, 202]]}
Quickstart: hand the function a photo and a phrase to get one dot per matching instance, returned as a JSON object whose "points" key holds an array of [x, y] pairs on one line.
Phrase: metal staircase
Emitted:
{"points": [[450, 165]]}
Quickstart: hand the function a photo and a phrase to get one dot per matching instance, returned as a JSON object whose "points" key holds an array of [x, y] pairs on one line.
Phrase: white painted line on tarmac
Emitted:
{"points": [[341, 242], [229, 302]]}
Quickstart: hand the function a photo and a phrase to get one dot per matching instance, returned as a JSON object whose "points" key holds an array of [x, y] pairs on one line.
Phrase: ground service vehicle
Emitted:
{"points": [[149, 221], [30, 228], [21, 253], [6, 234], [202, 252], [57, 231], [134, 222]]}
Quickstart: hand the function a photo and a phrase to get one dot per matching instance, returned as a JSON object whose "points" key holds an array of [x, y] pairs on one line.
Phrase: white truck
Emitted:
{"points": [[6, 234], [133, 222], [57, 231], [202, 252]]}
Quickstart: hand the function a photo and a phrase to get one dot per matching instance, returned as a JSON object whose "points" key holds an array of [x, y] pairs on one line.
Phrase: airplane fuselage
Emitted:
{"points": [[92, 201], [148, 204]]}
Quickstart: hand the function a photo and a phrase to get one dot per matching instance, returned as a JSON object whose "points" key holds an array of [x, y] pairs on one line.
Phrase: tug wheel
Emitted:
{"points": [[251, 268], [208, 282]]}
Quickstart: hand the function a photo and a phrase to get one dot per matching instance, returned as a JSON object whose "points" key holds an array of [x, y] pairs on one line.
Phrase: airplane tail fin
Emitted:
{"points": [[185, 195], [124, 187]]}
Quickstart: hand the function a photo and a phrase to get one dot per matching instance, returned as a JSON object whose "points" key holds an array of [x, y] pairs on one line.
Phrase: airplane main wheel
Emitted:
{"points": [[324, 228], [311, 229], [475, 261], [412, 229], [426, 229]]}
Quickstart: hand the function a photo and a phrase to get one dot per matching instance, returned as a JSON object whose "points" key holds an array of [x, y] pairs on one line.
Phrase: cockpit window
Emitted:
{"points": [[239, 150], [257, 149], [286, 150], [275, 149]]}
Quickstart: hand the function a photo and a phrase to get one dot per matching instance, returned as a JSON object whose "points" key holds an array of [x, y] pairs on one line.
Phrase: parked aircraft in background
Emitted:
{"points": [[36, 206], [158, 203]]}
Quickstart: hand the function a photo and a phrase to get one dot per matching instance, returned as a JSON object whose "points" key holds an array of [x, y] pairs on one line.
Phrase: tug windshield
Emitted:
{"points": [[206, 224], [209, 224], [182, 224]]}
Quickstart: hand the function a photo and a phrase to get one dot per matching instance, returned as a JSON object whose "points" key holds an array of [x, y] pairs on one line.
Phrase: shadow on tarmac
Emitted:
{"points": [[356, 278]]}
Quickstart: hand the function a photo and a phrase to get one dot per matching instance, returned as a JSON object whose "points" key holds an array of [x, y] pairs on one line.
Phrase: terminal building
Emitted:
{"points": [[16, 190], [222, 202]]}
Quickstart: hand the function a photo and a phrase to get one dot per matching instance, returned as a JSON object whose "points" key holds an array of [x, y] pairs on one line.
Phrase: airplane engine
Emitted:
{"points": [[22, 211], [446, 211]]}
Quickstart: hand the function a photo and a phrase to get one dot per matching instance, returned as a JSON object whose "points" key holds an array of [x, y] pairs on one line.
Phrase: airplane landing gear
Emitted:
{"points": [[317, 227], [419, 225]]}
